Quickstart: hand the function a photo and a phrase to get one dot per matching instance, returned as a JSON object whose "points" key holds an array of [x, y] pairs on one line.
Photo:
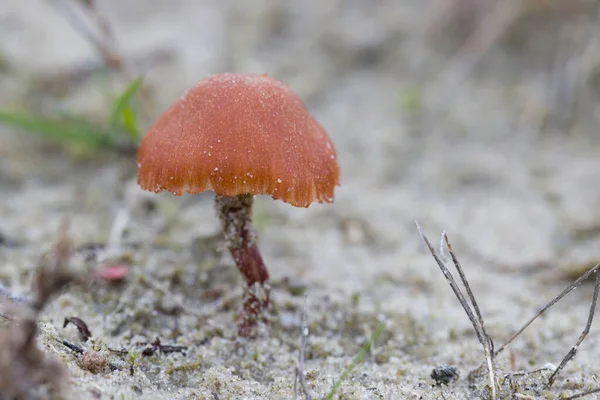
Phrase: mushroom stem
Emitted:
{"points": [[235, 214]]}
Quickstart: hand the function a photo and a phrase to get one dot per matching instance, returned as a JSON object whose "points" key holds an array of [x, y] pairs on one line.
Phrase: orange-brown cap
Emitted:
{"points": [[237, 134]]}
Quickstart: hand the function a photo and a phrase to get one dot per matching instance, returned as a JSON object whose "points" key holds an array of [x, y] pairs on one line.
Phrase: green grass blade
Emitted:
{"points": [[122, 115], [130, 123], [357, 360], [66, 130]]}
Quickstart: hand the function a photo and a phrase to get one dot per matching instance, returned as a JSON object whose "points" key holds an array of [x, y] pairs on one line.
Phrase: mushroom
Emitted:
{"points": [[240, 135]]}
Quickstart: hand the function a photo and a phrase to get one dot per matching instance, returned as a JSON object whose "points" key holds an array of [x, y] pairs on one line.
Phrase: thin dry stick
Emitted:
{"points": [[300, 369], [573, 65], [572, 286], [586, 330], [564, 82], [477, 322], [583, 394], [103, 44], [488, 347], [488, 32], [463, 278], [508, 377], [588, 324], [109, 55]]}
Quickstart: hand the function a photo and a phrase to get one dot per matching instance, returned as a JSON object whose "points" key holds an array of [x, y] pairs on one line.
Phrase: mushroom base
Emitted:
{"points": [[235, 214], [256, 301]]}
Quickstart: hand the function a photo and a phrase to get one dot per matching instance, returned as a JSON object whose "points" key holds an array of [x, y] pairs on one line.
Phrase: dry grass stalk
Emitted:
{"points": [[300, 368], [471, 309]]}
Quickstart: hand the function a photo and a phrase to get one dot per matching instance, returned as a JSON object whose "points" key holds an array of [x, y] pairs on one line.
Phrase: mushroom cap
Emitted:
{"points": [[238, 134]]}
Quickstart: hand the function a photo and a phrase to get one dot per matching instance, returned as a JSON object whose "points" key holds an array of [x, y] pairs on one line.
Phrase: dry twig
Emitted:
{"points": [[300, 368], [152, 348], [101, 43], [586, 329], [492, 27], [472, 309], [478, 320], [574, 62], [104, 44], [583, 394]]}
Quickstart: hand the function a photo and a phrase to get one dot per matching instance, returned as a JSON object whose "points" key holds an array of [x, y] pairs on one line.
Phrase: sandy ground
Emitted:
{"points": [[467, 156]]}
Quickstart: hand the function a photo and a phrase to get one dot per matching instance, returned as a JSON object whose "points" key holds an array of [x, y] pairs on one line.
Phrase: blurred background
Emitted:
{"points": [[475, 101], [478, 117]]}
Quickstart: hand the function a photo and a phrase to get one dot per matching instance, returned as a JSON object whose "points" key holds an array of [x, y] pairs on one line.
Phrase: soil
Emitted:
{"points": [[482, 156]]}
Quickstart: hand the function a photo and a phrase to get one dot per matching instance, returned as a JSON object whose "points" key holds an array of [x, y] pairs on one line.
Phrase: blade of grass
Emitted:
{"points": [[122, 115], [357, 360], [71, 130], [130, 123]]}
